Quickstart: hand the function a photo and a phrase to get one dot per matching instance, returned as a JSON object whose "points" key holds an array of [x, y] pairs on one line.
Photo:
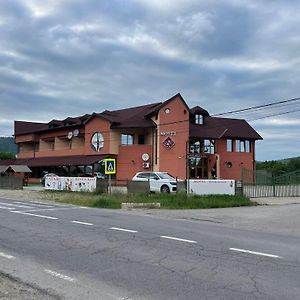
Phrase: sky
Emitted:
{"points": [[61, 58]]}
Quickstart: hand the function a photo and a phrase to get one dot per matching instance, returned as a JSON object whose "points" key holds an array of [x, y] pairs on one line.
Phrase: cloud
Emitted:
{"points": [[70, 57]]}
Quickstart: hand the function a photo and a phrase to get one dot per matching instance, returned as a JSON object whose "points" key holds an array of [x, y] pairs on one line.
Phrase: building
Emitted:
{"points": [[165, 136]]}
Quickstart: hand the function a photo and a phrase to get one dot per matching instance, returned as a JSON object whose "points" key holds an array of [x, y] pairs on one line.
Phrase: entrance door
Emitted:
{"points": [[198, 168]]}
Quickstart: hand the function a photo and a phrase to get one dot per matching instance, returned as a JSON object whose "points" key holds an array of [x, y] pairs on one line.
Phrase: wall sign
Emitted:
{"points": [[168, 143], [167, 133]]}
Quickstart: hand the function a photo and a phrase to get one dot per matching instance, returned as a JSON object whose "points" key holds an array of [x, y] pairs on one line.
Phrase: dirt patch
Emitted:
{"points": [[12, 288]]}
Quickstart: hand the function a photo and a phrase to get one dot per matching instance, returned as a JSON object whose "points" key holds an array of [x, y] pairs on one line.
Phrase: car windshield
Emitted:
{"points": [[165, 176]]}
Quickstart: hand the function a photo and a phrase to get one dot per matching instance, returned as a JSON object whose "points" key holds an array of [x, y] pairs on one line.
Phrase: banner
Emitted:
{"points": [[74, 184], [211, 187]]}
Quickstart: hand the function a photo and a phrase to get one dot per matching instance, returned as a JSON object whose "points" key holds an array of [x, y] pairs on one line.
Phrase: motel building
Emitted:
{"points": [[166, 136]]}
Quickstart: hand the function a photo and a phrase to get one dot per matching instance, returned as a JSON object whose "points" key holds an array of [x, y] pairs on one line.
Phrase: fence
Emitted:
{"points": [[263, 184], [11, 182], [130, 186]]}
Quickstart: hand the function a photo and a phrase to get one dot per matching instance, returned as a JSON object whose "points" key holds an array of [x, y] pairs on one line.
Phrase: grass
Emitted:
{"points": [[167, 201]]}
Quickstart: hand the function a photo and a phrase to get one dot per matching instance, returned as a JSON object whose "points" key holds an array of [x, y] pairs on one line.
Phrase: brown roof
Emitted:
{"points": [[130, 117], [215, 128], [23, 127], [140, 117], [75, 160]]}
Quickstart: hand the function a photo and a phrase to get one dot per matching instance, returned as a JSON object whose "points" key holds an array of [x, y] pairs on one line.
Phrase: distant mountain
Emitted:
{"points": [[7, 144]]}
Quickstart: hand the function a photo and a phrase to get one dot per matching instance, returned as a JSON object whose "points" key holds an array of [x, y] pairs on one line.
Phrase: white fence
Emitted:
{"points": [[211, 187], [74, 184]]}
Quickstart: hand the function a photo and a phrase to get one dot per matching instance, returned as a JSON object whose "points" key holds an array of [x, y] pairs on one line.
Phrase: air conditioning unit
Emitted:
{"points": [[146, 165]]}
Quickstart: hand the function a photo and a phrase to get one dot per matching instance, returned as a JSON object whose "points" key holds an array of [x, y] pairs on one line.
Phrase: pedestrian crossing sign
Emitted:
{"points": [[110, 166]]}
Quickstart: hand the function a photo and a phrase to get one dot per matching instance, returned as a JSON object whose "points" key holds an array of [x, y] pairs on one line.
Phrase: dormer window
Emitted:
{"points": [[199, 119]]}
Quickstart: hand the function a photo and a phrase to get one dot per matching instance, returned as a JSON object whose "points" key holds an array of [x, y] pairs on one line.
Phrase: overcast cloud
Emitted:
{"points": [[64, 58]]}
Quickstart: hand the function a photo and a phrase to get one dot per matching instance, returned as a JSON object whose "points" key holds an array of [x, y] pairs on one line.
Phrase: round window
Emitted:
{"points": [[97, 141]]}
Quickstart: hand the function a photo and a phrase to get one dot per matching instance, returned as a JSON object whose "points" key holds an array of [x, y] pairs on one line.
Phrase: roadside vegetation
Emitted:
{"points": [[167, 201]]}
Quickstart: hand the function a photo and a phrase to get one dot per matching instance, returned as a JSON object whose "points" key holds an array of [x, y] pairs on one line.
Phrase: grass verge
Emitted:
{"points": [[167, 201]]}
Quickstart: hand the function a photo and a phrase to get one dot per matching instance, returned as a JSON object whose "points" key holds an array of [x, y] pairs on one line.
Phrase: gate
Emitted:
{"points": [[264, 184]]}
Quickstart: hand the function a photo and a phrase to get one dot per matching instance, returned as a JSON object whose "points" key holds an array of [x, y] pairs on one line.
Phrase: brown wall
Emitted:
{"points": [[97, 124], [238, 160], [174, 160], [130, 160]]}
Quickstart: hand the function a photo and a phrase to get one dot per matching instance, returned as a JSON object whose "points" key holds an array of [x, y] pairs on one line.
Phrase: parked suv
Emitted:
{"points": [[159, 181]]}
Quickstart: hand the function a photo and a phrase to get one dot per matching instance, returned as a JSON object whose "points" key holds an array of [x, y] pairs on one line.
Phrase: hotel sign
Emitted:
{"points": [[167, 133]]}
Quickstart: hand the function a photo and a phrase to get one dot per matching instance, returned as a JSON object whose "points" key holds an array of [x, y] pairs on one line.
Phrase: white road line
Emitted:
{"points": [[178, 239], [35, 204], [8, 208], [61, 276], [256, 253], [123, 229], [83, 223], [16, 205], [34, 215], [6, 255], [46, 209]]}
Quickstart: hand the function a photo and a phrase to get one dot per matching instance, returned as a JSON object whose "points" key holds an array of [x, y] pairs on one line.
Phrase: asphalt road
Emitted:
{"points": [[83, 253]]}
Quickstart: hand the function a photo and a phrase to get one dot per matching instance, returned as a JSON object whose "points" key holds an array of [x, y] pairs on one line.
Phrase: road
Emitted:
{"points": [[73, 252]]}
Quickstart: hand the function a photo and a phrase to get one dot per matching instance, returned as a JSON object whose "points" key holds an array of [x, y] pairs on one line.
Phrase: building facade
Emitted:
{"points": [[165, 136]]}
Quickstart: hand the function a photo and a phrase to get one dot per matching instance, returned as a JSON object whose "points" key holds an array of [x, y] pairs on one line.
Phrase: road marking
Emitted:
{"points": [[50, 209], [6, 255], [35, 204], [16, 205], [61, 276], [256, 253], [178, 239], [34, 215], [123, 229], [8, 208], [83, 223]]}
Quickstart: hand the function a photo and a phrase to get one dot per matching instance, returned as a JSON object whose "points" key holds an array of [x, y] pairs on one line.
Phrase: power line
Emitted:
{"points": [[258, 107], [274, 115]]}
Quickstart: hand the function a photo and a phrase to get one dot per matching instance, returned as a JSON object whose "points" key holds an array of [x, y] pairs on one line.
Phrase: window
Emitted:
{"points": [[209, 146], [141, 139], [127, 139], [229, 145], [203, 146], [242, 146], [198, 119]]}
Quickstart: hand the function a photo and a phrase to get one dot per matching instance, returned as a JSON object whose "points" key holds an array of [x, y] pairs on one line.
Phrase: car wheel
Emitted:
{"points": [[165, 189]]}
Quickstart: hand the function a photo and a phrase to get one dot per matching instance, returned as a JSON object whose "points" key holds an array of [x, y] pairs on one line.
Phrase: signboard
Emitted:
{"points": [[74, 184], [110, 166], [211, 187]]}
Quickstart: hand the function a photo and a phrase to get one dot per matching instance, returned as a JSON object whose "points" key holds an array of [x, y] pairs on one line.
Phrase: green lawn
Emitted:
{"points": [[167, 201]]}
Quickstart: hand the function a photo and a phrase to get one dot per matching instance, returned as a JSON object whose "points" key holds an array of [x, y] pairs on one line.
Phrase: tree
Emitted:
{"points": [[7, 155]]}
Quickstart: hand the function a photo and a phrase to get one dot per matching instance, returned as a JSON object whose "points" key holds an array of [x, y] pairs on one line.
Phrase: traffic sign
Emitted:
{"points": [[110, 166]]}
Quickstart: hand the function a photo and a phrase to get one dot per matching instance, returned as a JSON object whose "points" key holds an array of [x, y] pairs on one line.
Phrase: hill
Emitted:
{"points": [[7, 144], [277, 167]]}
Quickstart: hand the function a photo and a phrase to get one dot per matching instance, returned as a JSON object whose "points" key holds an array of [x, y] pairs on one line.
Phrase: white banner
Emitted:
{"points": [[74, 184], [211, 187]]}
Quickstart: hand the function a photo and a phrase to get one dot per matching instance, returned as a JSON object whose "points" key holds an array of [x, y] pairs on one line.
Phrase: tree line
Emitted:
{"points": [[279, 167]]}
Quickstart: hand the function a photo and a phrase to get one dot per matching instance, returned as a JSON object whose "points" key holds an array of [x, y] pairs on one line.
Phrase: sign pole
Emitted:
{"points": [[110, 168], [109, 184]]}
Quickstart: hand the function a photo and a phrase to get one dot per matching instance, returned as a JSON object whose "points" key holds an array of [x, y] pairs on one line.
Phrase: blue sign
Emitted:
{"points": [[110, 166]]}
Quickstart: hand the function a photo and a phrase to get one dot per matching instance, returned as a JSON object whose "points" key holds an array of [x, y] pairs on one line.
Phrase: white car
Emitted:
{"points": [[159, 181]]}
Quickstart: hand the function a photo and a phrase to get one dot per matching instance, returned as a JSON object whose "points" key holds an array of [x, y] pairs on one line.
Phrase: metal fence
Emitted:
{"points": [[264, 184]]}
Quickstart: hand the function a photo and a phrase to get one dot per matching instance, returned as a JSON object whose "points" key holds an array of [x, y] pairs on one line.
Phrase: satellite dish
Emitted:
{"points": [[70, 135], [76, 132], [145, 157]]}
